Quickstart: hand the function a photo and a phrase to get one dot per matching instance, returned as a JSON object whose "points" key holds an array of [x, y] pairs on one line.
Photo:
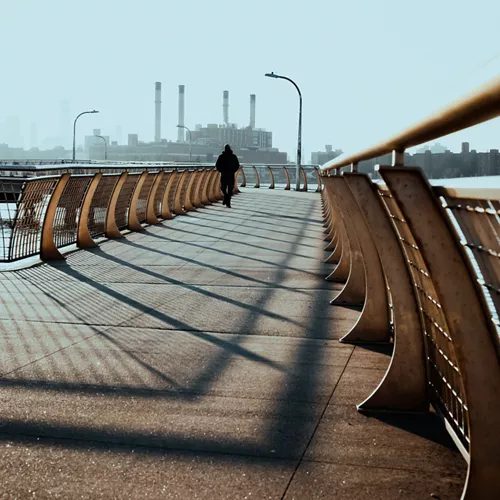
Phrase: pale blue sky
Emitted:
{"points": [[366, 68]]}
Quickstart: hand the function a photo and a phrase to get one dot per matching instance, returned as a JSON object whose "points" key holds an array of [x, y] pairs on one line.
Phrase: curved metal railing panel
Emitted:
{"points": [[476, 214], [180, 192], [10, 192], [144, 196], [304, 179], [20, 227], [68, 209], [99, 204], [448, 240], [160, 192], [26, 234], [444, 382], [198, 189], [474, 413], [287, 179], [172, 190], [271, 176], [205, 187], [124, 198], [188, 195]]}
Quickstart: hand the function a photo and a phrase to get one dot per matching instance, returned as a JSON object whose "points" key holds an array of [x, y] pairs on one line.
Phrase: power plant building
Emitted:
{"points": [[252, 145], [237, 137], [228, 133]]}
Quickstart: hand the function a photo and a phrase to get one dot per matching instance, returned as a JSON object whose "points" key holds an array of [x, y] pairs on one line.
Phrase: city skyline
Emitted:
{"points": [[355, 93]]}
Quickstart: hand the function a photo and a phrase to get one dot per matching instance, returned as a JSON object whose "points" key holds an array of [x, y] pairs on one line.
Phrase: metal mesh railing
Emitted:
{"points": [[192, 187], [160, 192], [478, 224], [99, 204], [173, 190], [30, 213], [250, 176], [142, 201], [201, 187], [183, 187], [445, 388], [10, 192], [67, 213], [25, 191], [123, 202]]}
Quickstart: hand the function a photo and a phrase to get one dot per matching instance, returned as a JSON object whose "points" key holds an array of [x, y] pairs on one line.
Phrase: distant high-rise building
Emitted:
{"points": [[465, 147], [13, 132], [91, 141], [231, 134], [118, 133], [494, 162], [321, 157], [133, 139], [438, 148]]}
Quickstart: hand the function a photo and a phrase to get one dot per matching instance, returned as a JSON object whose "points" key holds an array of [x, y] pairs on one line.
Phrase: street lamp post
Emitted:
{"points": [[105, 146], [74, 130], [299, 141], [189, 132]]}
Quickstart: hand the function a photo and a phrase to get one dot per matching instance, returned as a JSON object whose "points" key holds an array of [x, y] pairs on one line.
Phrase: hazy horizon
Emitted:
{"points": [[366, 69]]}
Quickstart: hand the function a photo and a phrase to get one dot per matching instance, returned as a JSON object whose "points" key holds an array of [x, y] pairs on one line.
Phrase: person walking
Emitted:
{"points": [[227, 164]]}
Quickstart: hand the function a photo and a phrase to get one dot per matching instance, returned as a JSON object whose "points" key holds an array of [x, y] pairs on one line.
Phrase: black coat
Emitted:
{"points": [[227, 164]]}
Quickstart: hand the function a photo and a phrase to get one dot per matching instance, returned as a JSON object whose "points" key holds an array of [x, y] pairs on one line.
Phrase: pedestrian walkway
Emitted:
{"points": [[199, 359]]}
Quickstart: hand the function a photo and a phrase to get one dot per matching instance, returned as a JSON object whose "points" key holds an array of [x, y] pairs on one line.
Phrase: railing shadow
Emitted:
{"points": [[297, 405]]}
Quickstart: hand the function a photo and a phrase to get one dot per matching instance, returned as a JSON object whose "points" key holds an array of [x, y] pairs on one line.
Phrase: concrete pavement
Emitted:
{"points": [[199, 358]]}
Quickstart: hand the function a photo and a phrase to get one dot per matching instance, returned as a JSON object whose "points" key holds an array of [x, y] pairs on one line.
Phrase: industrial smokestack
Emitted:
{"points": [[225, 106], [252, 110], [157, 111], [180, 131]]}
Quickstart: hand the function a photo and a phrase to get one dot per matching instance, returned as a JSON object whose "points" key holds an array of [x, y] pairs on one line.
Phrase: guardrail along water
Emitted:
{"points": [[423, 261], [49, 206]]}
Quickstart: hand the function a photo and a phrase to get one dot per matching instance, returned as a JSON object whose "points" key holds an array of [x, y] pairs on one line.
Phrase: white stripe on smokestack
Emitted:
{"points": [[225, 106], [252, 110], [157, 111], [180, 131]]}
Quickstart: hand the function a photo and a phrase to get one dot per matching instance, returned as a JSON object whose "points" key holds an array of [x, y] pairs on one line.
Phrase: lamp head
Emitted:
{"points": [[272, 75]]}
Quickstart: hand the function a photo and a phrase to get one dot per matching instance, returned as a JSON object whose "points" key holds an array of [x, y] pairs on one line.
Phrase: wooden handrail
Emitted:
{"points": [[481, 105]]}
